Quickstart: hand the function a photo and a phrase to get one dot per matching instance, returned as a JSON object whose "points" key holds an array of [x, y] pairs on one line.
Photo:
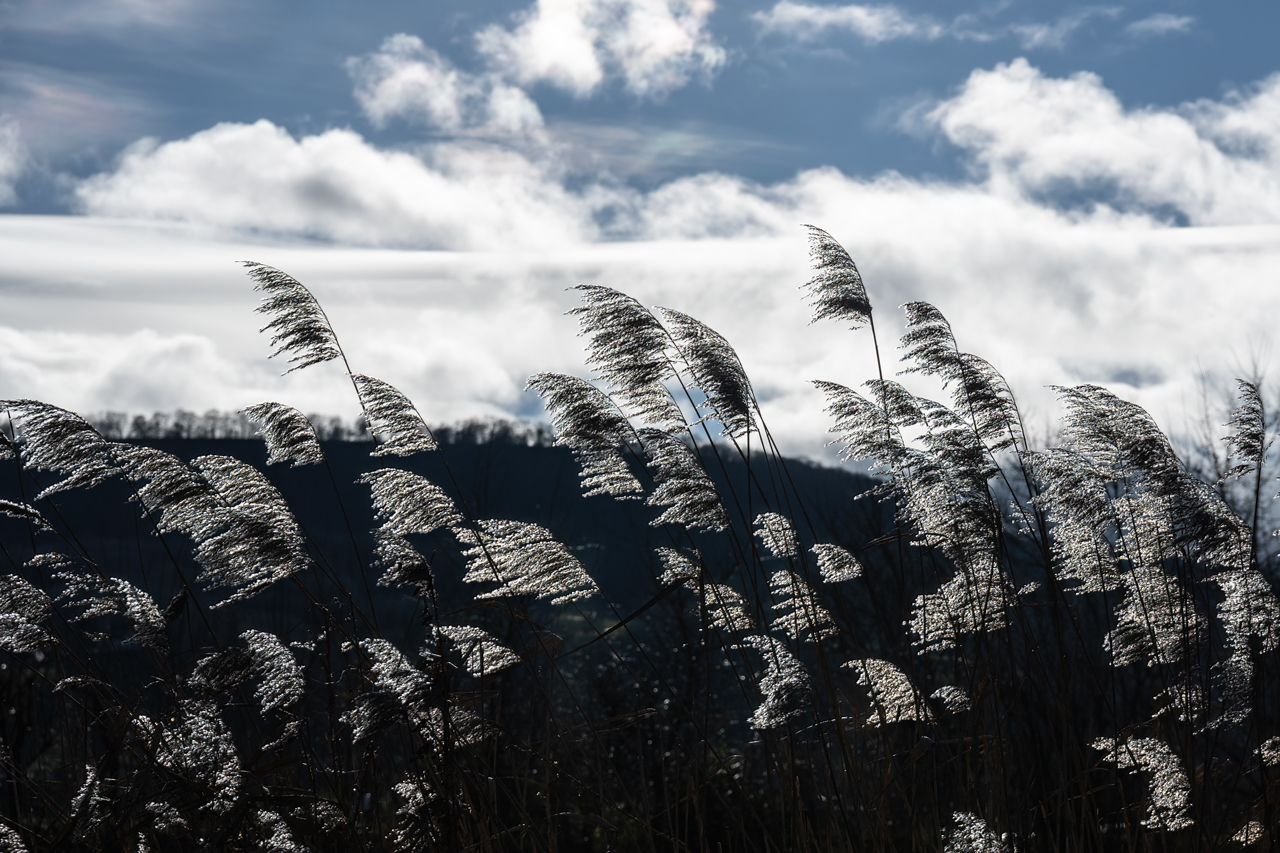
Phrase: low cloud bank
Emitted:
{"points": [[445, 268]]}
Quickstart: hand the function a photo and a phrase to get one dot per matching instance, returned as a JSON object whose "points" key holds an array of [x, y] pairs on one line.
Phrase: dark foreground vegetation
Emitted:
{"points": [[658, 635]]}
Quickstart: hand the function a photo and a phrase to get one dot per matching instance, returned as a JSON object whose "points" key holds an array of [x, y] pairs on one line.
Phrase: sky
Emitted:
{"points": [[1090, 193]]}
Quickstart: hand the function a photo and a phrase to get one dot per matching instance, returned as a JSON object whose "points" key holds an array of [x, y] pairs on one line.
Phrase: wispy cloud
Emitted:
{"points": [[406, 79], [805, 21], [1054, 35], [99, 16], [880, 23], [1160, 24], [13, 158], [654, 46], [61, 112]]}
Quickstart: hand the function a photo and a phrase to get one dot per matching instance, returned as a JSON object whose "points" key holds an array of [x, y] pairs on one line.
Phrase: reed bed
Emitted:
{"points": [[997, 648]]}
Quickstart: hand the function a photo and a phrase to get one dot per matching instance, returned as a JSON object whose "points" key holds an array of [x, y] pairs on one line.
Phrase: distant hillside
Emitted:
{"points": [[495, 474]]}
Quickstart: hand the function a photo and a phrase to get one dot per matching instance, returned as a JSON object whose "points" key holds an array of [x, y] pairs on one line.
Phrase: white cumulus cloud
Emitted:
{"points": [[336, 186], [654, 46], [406, 79], [1216, 163]]}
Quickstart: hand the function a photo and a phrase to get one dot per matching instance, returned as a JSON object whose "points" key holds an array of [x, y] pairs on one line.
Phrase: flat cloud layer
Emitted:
{"points": [[450, 278]]}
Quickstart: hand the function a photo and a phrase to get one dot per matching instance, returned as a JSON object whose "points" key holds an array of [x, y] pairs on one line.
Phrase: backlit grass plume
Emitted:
{"points": [[716, 371], [587, 421], [630, 349], [299, 327], [53, 439], [684, 490], [393, 419], [988, 648], [836, 288], [289, 436], [524, 559]]}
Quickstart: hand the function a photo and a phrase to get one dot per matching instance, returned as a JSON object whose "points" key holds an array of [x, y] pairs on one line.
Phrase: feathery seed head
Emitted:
{"points": [[252, 539], [954, 700], [101, 596], [1248, 439], [778, 535], [683, 487], [836, 287], [281, 680], [197, 747], [728, 609], [290, 437], [891, 691], [400, 561], [678, 568], [716, 370], [628, 346], [524, 559], [587, 421], [393, 419], [53, 439], [24, 512], [409, 503], [785, 684], [1157, 622], [1168, 789], [482, 654], [298, 326], [836, 564], [799, 615], [972, 835]]}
